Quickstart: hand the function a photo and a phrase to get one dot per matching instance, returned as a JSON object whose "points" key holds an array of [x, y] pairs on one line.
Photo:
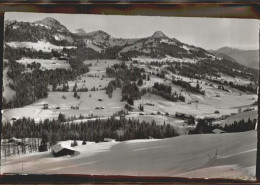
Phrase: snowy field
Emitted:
{"points": [[165, 59], [87, 105], [40, 45], [46, 64], [206, 106], [231, 155]]}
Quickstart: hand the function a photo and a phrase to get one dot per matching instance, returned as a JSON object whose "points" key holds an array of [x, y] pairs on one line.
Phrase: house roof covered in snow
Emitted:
{"points": [[13, 139], [218, 131], [109, 140], [58, 147]]}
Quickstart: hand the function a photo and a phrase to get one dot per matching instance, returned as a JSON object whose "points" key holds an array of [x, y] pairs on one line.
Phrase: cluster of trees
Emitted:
{"points": [[125, 74], [126, 80], [125, 56], [32, 33], [30, 87], [141, 107], [33, 65], [89, 53], [83, 53], [166, 92], [204, 68], [244, 88], [64, 88], [130, 92], [112, 85], [240, 126], [82, 89], [18, 53], [188, 87], [14, 148], [52, 131], [77, 65], [205, 126]]}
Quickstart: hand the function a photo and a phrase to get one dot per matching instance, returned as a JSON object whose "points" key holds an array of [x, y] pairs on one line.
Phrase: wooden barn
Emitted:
{"points": [[109, 140], [62, 150], [218, 131]]}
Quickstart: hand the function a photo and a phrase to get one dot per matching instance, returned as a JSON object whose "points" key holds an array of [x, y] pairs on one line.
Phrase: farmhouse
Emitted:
{"points": [[45, 106], [183, 115], [218, 131], [61, 150], [109, 140], [122, 117], [16, 141]]}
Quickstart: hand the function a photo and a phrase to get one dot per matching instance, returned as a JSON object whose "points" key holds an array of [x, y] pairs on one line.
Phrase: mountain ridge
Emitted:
{"points": [[157, 45], [248, 58]]}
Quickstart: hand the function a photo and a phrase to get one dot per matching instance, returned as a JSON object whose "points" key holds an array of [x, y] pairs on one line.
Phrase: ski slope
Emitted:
{"points": [[177, 156]]}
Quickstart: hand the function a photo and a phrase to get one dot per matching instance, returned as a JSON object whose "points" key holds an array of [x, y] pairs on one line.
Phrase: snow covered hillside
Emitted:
{"points": [[210, 159]]}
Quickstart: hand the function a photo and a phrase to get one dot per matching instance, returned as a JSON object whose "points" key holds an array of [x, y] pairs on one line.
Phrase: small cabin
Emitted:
{"points": [[62, 150], [17, 141], [183, 115], [14, 140], [45, 106], [122, 117], [109, 140], [218, 131], [63, 57]]}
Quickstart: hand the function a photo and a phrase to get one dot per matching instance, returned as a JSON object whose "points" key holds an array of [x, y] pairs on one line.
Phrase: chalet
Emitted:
{"points": [[14, 140], [62, 150], [218, 131], [109, 140], [122, 117], [45, 106], [183, 115]]}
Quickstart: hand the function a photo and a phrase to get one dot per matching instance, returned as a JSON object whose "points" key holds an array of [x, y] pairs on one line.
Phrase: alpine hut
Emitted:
{"points": [[61, 150]]}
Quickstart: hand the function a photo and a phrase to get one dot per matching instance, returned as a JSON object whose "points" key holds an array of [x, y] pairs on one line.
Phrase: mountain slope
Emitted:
{"points": [[50, 30], [248, 58], [159, 46], [53, 23], [47, 30]]}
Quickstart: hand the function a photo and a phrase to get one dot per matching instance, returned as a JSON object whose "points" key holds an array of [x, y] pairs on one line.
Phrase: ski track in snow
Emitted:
{"points": [[151, 148], [231, 155]]}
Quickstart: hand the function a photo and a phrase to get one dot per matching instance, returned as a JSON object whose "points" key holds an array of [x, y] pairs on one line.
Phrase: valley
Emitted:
{"points": [[151, 98]]}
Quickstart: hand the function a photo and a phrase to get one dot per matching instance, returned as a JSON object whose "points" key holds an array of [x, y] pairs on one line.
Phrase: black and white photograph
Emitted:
{"points": [[130, 95]]}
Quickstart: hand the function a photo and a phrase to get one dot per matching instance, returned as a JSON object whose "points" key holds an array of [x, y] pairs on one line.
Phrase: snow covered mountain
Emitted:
{"points": [[52, 23], [55, 36], [51, 31]]}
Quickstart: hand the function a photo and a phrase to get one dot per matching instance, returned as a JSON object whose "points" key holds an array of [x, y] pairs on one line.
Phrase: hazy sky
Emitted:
{"points": [[208, 33]]}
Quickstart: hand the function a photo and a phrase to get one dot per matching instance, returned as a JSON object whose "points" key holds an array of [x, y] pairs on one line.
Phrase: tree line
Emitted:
{"points": [[166, 92], [205, 126], [187, 86], [30, 87], [52, 131]]}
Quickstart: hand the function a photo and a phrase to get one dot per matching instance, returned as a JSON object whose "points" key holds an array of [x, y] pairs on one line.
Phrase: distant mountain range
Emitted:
{"points": [[101, 43], [248, 58]]}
